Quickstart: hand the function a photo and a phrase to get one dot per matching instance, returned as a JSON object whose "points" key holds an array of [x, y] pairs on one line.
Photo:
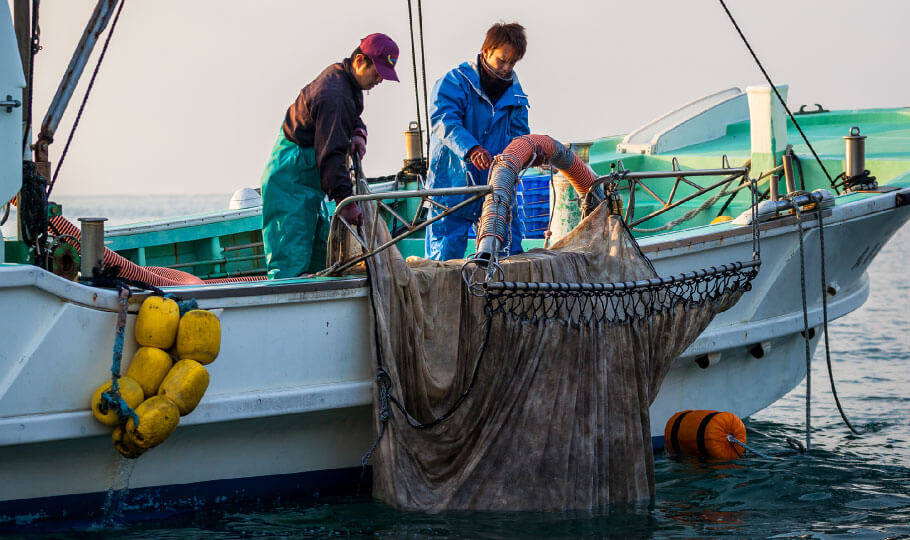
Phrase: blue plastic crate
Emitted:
{"points": [[534, 210], [535, 227], [534, 195], [534, 188], [533, 205]]}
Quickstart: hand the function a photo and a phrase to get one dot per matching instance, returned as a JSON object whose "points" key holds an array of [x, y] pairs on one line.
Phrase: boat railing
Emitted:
{"points": [[406, 227], [623, 181]]}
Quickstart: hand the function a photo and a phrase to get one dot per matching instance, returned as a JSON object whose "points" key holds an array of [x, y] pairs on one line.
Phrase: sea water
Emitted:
{"points": [[847, 486]]}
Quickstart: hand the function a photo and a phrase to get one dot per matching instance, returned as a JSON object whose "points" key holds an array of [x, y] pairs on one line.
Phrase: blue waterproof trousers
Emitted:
{"points": [[295, 219]]}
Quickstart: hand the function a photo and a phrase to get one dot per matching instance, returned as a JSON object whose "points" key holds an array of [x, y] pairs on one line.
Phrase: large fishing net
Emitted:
{"points": [[535, 396]]}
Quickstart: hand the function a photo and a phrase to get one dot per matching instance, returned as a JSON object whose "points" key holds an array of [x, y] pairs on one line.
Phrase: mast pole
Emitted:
{"points": [[104, 9], [22, 20]]}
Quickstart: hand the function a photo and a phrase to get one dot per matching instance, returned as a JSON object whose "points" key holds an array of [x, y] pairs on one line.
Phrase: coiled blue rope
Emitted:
{"points": [[183, 305], [112, 400]]}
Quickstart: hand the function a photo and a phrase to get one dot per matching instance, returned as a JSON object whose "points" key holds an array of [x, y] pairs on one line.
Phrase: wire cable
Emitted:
{"points": [[414, 66], [781, 99], [821, 241], [34, 47], [806, 329], [423, 68], [88, 91]]}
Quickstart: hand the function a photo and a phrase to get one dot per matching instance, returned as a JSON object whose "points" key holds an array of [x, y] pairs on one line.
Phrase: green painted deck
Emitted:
{"points": [[230, 243]]}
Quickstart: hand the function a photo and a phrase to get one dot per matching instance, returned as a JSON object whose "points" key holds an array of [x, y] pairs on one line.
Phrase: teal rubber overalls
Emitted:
{"points": [[295, 217]]}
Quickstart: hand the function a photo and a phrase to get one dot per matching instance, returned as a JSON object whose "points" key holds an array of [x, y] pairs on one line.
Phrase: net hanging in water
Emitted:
{"points": [[544, 385]]}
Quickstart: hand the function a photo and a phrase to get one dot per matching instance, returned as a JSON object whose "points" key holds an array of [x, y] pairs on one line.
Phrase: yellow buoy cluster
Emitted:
{"points": [[166, 378]]}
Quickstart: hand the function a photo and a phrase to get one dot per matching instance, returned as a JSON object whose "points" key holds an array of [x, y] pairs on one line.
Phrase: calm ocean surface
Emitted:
{"points": [[848, 486]]}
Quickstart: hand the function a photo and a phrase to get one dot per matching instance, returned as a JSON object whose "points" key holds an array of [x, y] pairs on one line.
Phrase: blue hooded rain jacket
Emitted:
{"points": [[462, 117]]}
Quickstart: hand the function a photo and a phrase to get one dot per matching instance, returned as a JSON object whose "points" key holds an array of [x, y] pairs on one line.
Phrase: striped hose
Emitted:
{"points": [[153, 275], [522, 152]]}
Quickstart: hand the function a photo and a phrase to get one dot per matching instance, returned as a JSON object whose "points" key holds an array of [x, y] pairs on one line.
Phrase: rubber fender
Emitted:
{"points": [[123, 445], [704, 434], [148, 368], [157, 322], [185, 384], [158, 418], [131, 393], [199, 336]]}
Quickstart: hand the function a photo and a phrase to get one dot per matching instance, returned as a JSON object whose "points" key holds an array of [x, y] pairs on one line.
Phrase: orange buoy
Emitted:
{"points": [[704, 434]]}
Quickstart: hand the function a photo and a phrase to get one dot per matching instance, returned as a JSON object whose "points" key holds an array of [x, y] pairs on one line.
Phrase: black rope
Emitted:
{"points": [[641, 253], [380, 370], [794, 445], [423, 69], [580, 304], [88, 91], [33, 50], [384, 382], [416, 424], [756, 229], [32, 208], [821, 240], [806, 338], [781, 99], [414, 68], [108, 278], [799, 165]]}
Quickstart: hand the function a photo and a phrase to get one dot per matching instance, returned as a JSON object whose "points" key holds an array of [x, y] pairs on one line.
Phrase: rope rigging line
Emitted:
{"points": [[574, 304], [414, 69], [32, 208], [708, 203], [423, 69], [805, 332], [779, 97], [111, 399], [88, 91], [384, 384], [796, 447], [33, 50], [824, 280], [806, 338], [734, 440]]}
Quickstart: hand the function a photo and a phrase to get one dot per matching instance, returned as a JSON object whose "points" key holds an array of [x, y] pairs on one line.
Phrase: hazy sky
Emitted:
{"points": [[191, 94]]}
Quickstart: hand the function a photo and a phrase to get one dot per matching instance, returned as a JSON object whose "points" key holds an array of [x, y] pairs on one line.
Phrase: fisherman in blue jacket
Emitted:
{"points": [[477, 109]]}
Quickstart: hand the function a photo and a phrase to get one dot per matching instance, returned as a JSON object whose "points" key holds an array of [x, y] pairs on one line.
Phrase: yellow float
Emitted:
{"points": [[158, 418], [123, 445], [170, 389], [199, 336], [157, 322], [185, 384], [148, 368], [131, 393]]}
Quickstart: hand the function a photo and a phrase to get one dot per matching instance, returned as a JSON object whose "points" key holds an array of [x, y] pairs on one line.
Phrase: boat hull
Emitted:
{"points": [[291, 393]]}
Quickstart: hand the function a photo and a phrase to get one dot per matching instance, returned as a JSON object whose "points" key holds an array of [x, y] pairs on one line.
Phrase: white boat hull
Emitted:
{"points": [[291, 393]]}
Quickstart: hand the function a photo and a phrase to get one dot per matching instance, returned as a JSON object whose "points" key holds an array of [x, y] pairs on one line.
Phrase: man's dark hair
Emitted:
{"points": [[506, 34], [358, 51]]}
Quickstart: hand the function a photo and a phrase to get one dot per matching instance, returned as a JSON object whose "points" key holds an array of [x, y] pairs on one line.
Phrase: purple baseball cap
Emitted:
{"points": [[383, 52]]}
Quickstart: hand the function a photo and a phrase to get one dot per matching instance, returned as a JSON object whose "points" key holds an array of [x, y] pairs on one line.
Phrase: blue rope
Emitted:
{"points": [[112, 400], [183, 305], [734, 440]]}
